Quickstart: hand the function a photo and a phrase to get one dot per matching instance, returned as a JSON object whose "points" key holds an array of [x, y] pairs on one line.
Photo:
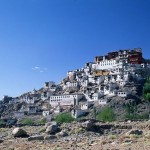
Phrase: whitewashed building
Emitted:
{"points": [[71, 85], [77, 113], [46, 95], [46, 113], [29, 99], [65, 99], [102, 101], [122, 94], [86, 105]]}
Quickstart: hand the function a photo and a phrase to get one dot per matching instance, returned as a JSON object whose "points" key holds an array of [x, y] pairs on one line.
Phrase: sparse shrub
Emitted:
{"points": [[27, 121], [2, 123], [106, 114], [41, 121], [112, 137], [137, 116], [146, 90], [64, 118]]}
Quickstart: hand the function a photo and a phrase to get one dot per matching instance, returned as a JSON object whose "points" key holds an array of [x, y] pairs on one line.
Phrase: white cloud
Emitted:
{"points": [[40, 69], [36, 68]]}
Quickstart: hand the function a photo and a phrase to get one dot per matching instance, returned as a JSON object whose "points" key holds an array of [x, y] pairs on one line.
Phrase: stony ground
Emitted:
{"points": [[78, 139]]}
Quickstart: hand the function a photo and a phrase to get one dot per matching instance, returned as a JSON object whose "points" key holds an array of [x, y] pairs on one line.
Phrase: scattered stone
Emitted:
{"points": [[62, 134], [50, 137], [129, 121], [135, 132], [36, 137], [19, 132], [128, 141]]}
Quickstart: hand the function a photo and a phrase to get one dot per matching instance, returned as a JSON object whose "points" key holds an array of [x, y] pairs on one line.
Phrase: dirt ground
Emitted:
{"points": [[121, 141]]}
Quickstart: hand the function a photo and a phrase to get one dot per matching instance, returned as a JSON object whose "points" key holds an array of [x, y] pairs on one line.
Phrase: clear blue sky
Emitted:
{"points": [[61, 35]]}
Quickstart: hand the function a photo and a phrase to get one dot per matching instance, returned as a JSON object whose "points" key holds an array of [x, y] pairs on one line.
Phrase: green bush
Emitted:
{"points": [[27, 121], [64, 118], [106, 114], [41, 121]]}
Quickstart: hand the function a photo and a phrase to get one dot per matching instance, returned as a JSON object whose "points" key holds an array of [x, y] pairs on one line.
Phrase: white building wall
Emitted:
{"points": [[85, 83], [45, 113], [122, 94], [105, 64], [77, 113], [86, 105], [28, 99], [64, 99], [102, 102]]}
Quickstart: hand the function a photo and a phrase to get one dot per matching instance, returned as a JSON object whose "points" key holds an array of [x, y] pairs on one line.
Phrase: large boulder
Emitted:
{"points": [[19, 132], [87, 124], [36, 137], [50, 137], [52, 129]]}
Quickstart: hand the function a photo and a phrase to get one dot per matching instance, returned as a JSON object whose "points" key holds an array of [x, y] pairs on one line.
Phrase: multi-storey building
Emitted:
{"points": [[65, 99]]}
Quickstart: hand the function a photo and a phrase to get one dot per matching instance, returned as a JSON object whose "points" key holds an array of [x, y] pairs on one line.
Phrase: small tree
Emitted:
{"points": [[106, 114], [64, 118], [131, 110]]}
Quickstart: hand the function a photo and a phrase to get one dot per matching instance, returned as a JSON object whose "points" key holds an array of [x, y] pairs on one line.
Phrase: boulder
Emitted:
{"points": [[19, 132], [36, 137], [52, 129], [50, 137], [87, 124], [62, 134], [1, 141]]}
